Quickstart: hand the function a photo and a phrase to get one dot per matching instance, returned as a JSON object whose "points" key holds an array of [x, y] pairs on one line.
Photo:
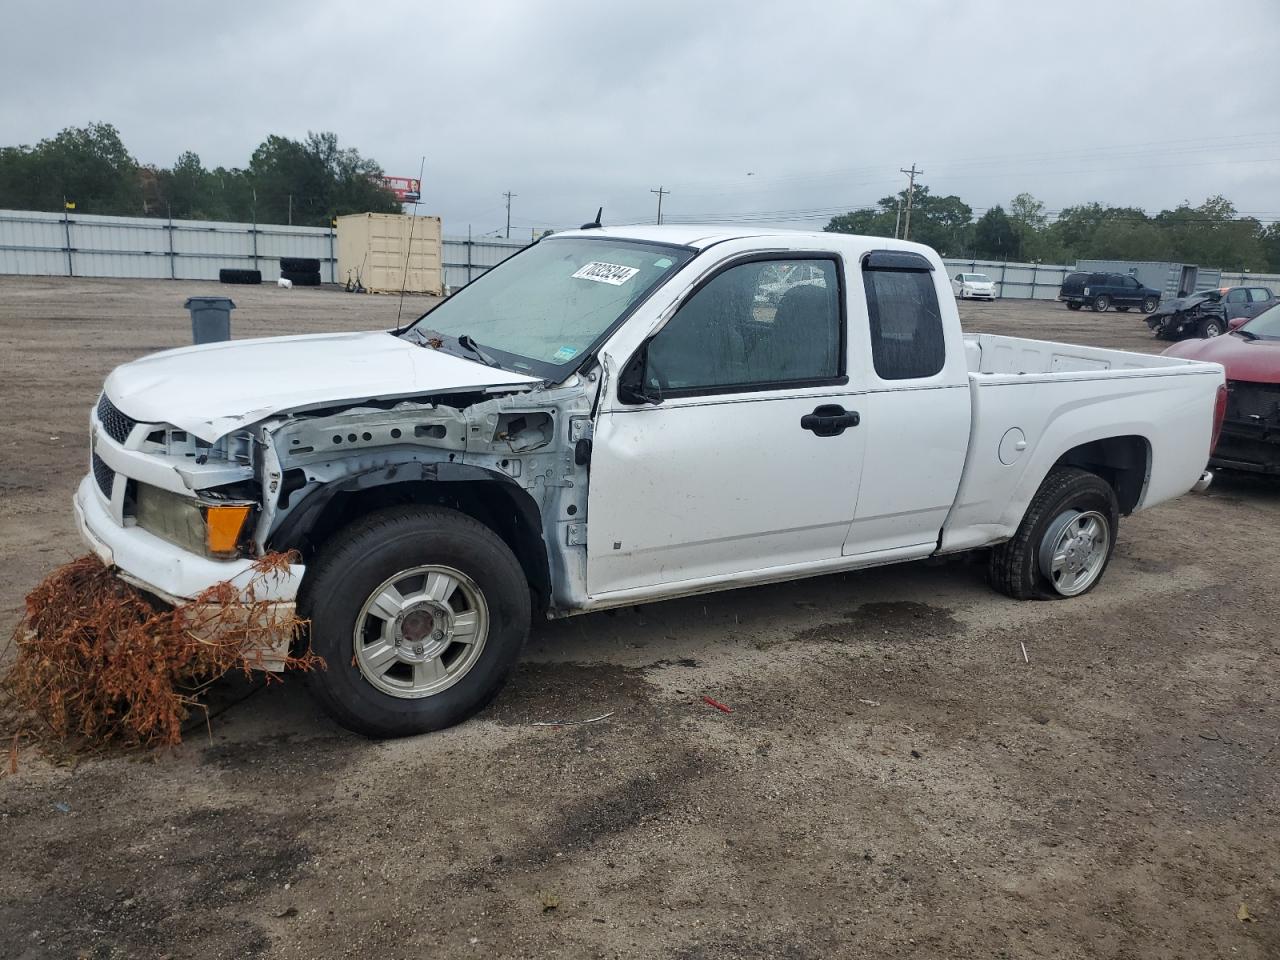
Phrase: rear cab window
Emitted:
{"points": [[908, 341]]}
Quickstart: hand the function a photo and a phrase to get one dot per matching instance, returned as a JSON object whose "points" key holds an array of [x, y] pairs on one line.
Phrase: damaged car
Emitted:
{"points": [[620, 415], [1250, 353], [1202, 315]]}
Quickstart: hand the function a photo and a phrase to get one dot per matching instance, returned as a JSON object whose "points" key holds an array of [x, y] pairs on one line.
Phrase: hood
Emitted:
{"points": [[1257, 361], [1170, 307], [215, 388]]}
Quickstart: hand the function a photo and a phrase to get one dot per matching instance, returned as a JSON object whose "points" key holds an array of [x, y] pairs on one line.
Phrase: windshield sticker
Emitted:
{"points": [[564, 353], [662, 263], [610, 273]]}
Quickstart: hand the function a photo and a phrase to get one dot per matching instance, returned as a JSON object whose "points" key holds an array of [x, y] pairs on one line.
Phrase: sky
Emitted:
{"points": [[745, 110]]}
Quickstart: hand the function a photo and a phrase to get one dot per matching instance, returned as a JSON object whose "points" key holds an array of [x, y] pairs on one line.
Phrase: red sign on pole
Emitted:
{"points": [[406, 189]]}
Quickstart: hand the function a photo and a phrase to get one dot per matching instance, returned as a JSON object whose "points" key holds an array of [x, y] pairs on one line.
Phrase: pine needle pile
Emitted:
{"points": [[97, 660]]}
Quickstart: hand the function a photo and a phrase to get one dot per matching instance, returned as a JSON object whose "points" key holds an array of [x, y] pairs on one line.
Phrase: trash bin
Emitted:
{"points": [[210, 318]]}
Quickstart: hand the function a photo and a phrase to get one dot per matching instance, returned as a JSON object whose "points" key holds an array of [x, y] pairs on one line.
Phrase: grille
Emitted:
{"points": [[1254, 402], [117, 425], [104, 475]]}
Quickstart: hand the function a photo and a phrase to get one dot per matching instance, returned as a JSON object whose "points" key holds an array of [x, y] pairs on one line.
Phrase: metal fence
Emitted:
{"points": [[52, 244], [465, 259], [1016, 281], [1269, 280], [71, 245]]}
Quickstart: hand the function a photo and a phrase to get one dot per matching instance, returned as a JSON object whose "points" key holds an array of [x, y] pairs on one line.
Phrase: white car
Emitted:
{"points": [[973, 286], [606, 418]]}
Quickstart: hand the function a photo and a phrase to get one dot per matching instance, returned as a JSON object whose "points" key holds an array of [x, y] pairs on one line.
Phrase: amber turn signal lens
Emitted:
{"points": [[223, 526]]}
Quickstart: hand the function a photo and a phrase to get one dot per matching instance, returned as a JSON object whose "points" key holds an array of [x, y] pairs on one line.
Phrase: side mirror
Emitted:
{"points": [[1236, 322]]}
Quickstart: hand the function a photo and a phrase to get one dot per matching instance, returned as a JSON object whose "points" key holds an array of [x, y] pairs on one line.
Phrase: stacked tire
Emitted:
{"points": [[240, 276], [301, 271]]}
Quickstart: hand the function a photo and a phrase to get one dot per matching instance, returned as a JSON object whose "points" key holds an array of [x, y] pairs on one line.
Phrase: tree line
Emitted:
{"points": [[1211, 234], [305, 182]]}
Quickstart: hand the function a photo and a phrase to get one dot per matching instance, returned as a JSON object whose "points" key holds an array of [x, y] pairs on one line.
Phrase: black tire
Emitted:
{"points": [[1015, 565], [299, 265], [240, 276], [1149, 305], [1073, 306], [356, 561], [1210, 327], [302, 278], [1101, 303]]}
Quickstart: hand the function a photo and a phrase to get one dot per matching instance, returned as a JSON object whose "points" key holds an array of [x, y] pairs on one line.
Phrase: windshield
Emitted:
{"points": [[977, 278], [1266, 324], [542, 309]]}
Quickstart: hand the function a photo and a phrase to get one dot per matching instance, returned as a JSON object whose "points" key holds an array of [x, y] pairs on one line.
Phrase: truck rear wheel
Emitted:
{"points": [[1065, 540], [1073, 306], [1149, 305], [420, 614]]}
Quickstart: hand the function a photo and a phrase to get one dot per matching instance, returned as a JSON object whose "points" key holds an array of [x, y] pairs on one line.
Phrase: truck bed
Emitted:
{"points": [[1033, 399], [990, 355]]}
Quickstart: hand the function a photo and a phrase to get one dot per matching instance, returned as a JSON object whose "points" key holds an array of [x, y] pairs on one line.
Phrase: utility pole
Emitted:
{"points": [[911, 192], [509, 195], [661, 193], [897, 221], [291, 209]]}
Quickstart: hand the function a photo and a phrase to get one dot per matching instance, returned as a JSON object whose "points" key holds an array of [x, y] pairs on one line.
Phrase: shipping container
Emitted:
{"points": [[387, 252]]}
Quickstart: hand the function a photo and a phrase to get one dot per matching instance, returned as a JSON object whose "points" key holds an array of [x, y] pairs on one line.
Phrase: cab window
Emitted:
{"points": [[907, 339], [764, 324]]}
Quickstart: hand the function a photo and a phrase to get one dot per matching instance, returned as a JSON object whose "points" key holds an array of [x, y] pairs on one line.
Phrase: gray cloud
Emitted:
{"points": [[572, 104]]}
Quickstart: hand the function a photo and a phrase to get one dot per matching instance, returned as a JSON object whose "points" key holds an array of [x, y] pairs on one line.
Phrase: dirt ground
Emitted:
{"points": [[894, 779]]}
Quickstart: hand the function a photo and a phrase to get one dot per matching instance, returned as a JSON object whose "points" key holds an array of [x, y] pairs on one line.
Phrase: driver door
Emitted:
{"points": [[731, 443]]}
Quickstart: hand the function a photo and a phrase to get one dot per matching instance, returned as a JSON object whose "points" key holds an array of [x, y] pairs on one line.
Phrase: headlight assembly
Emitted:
{"points": [[211, 528]]}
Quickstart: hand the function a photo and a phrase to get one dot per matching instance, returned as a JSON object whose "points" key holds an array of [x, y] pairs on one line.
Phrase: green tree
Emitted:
{"points": [[995, 236], [940, 222], [867, 222], [1212, 234], [311, 181], [88, 166], [1269, 240], [1027, 213]]}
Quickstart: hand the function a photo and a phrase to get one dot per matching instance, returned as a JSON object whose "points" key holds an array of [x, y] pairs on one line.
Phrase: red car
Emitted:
{"points": [[1250, 352]]}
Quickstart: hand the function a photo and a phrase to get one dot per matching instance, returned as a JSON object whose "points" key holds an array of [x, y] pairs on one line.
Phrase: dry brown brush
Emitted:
{"points": [[96, 659]]}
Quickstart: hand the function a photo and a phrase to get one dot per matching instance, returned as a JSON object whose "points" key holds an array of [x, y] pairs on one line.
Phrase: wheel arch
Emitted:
{"points": [[1123, 461], [487, 496]]}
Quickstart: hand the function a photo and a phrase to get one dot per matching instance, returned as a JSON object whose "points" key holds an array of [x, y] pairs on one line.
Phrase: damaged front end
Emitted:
{"points": [[1200, 315], [515, 459], [1250, 438], [174, 514]]}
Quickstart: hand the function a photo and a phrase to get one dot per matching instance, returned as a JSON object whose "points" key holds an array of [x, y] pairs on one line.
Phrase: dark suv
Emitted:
{"points": [[1102, 291]]}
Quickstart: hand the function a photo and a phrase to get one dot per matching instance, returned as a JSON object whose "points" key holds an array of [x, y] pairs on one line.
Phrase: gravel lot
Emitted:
{"points": [[894, 779]]}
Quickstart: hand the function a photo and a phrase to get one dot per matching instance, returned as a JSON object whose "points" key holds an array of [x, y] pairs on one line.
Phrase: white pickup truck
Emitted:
{"points": [[614, 416]]}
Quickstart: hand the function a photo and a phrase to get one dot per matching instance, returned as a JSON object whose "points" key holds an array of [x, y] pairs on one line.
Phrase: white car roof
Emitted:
{"points": [[701, 236]]}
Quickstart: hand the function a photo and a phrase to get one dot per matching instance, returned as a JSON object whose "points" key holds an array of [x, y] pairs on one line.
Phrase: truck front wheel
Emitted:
{"points": [[1064, 542], [1101, 303], [419, 613]]}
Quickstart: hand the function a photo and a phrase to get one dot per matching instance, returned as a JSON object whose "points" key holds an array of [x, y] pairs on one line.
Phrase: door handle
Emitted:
{"points": [[829, 420]]}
